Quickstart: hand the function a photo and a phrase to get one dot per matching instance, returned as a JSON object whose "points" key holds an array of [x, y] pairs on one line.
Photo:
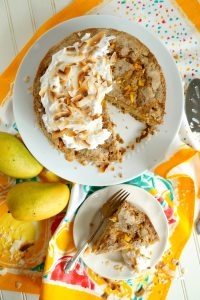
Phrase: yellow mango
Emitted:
{"points": [[48, 176], [33, 201], [15, 159]]}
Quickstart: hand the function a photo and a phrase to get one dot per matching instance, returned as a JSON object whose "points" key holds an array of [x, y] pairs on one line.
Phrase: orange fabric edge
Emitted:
{"points": [[61, 292], [160, 290], [179, 157], [21, 283], [185, 212], [191, 9], [75, 9]]}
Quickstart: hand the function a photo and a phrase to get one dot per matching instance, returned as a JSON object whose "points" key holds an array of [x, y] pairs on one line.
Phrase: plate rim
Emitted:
{"points": [[111, 180], [75, 225]]}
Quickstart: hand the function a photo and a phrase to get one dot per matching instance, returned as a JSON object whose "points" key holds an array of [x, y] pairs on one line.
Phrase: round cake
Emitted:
{"points": [[79, 75]]}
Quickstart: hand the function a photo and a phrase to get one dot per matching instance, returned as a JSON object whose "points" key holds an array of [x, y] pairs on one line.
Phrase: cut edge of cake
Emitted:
{"points": [[127, 228]]}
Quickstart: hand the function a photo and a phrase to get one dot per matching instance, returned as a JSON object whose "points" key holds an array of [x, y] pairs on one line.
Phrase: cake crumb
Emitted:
{"points": [[160, 265], [126, 127], [18, 284], [88, 250], [119, 139], [122, 151], [183, 271], [104, 295], [132, 146], [27, 79], [175, 262], [25, 246], [147, 132], [30, 89], [176, 56], [118, 267], [120, 175], [140, 292], [112, 168], [107, 262], [83, 162], [102, 168], [168, 252]]}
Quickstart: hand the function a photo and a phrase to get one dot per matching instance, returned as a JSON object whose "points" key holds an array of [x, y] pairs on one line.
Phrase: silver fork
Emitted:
{"points": [[115, 200]]}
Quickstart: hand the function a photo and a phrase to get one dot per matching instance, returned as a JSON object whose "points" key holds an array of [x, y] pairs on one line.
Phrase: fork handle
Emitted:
{"points": [[71, 264]]}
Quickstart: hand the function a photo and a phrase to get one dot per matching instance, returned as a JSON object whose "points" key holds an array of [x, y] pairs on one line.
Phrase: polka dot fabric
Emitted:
{"points": [[164, 19]]}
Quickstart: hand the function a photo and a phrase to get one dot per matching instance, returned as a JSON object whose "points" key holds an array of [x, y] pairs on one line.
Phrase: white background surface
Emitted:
{"points": [[18, 21]]}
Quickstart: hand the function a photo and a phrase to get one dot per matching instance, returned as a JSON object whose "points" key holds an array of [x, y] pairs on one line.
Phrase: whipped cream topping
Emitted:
{"points": [[72, 90], [138, 259]]}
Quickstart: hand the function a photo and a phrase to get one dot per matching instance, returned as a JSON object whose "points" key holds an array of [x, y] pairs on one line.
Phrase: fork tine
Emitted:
{"points": [[116, 194], [118, 200], [120, 194], [123, 198], [116, 197]]}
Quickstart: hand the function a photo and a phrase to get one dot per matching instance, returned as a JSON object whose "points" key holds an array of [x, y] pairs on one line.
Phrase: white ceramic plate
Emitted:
{"points": [[146, 155], [105, 264]]}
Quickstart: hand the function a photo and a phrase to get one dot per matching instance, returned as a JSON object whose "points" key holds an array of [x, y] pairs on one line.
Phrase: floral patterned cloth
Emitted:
{"points": [[177, 198], [60, 248]]}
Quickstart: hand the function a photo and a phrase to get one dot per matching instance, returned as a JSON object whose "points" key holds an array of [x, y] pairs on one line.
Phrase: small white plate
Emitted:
{"points": [[105, 264], [146, 155]]}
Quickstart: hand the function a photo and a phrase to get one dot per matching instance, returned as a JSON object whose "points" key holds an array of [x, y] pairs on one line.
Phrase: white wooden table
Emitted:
{"points": [[18, 21]]}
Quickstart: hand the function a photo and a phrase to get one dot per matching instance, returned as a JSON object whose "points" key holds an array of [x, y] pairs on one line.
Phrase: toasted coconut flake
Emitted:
{"points": [[87, 110], [113, 58], [84, 134], [71, 49], [67, 70], [96, 116], [82, 46], [84, 142], [42, 92], [84, 91], [82, 74], [77, 98], [69, 132], [52, 95], [95, 39], [62, 114], [74, 85], [61, 72]]}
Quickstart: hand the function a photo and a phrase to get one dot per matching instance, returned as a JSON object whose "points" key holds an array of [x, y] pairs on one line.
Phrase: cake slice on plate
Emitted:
{"points": [[127, 229]]}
